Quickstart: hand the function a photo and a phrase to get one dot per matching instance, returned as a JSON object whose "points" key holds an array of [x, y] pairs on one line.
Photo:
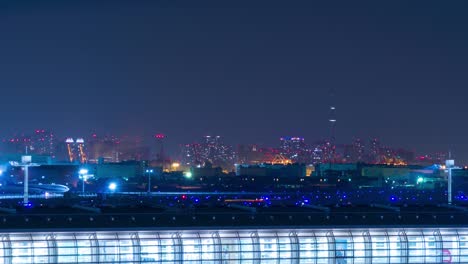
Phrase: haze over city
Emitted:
{"points": [[249, 71]]}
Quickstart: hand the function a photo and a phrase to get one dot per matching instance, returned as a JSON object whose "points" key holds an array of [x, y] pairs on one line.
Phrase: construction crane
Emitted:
{"points": [[280, 159]]}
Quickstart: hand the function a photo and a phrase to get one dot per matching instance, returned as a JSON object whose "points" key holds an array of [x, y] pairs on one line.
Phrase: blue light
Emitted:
{"points": [[112, 186]]}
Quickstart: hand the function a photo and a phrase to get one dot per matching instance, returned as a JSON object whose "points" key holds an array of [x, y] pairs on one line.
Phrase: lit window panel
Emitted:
{"points": [[22, 248], [230, 244], [380, 246], [307, 247], [450, 251], [208, 249], [67, 248], [150, 247]]}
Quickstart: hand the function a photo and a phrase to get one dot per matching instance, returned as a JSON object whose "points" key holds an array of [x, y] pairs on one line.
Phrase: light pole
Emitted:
{"points": [[149, 172], [26, 162], [84, 177], [449, 164]]}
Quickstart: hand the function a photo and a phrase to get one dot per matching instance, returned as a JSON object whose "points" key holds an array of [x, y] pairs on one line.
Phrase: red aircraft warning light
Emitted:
{"points": [[159, 136]]}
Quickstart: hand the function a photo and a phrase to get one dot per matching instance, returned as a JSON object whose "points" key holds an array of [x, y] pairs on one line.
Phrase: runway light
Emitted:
{"points": [[112, 186]]}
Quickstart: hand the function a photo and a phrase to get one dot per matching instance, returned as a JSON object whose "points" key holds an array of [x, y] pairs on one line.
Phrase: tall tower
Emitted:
{"points": [[332, 120], [332, 116]]}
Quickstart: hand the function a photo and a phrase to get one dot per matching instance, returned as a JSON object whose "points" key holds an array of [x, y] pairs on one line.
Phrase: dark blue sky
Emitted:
{"points": [[251, 71]]}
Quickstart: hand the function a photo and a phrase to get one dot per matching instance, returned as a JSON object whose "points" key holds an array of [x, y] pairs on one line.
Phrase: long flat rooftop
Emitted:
{"points": [[143, 216]]}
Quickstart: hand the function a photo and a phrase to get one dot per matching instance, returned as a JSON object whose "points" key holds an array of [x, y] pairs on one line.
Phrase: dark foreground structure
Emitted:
{"points": [[318, 235]]}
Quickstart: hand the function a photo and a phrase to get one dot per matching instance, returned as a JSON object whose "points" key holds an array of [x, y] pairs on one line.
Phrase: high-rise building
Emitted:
{"points": [[42, 143], [249, 154], [76, 150], [375, 151], [295, 149], [105, 148], [16, 144], [354, 152], [159, 154], [327, 151], [359, 150], [132, 149], [348, 153], [192, 155], [317, 154], [212, 150]]}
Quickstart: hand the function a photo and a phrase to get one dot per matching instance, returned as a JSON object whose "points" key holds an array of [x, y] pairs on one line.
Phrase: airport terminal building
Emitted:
{"points": [[230, 246], [273, 237]]}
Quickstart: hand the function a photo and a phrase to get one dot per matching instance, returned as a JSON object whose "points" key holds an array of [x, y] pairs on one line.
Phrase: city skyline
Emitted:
{"points": [[117, 148], [247, 71], [209, 131]]}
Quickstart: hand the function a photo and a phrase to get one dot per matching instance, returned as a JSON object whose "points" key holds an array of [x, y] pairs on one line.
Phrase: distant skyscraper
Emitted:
{"points": [[192, 155], [104, 148], [250, 154], [358, 151], [212, 141], [159, 154], [42, 142], [317, 154], [212, 150], [76, 150], [72, 157], [295, 149], [16, 144], [375, 151], [132, 149]]}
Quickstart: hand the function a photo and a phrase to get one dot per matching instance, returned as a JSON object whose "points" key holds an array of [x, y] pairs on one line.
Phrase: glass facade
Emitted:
{"points": [[265, 246]]}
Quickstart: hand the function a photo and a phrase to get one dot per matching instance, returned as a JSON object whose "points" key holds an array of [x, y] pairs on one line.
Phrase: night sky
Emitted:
{"points": [[250, 71]]}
